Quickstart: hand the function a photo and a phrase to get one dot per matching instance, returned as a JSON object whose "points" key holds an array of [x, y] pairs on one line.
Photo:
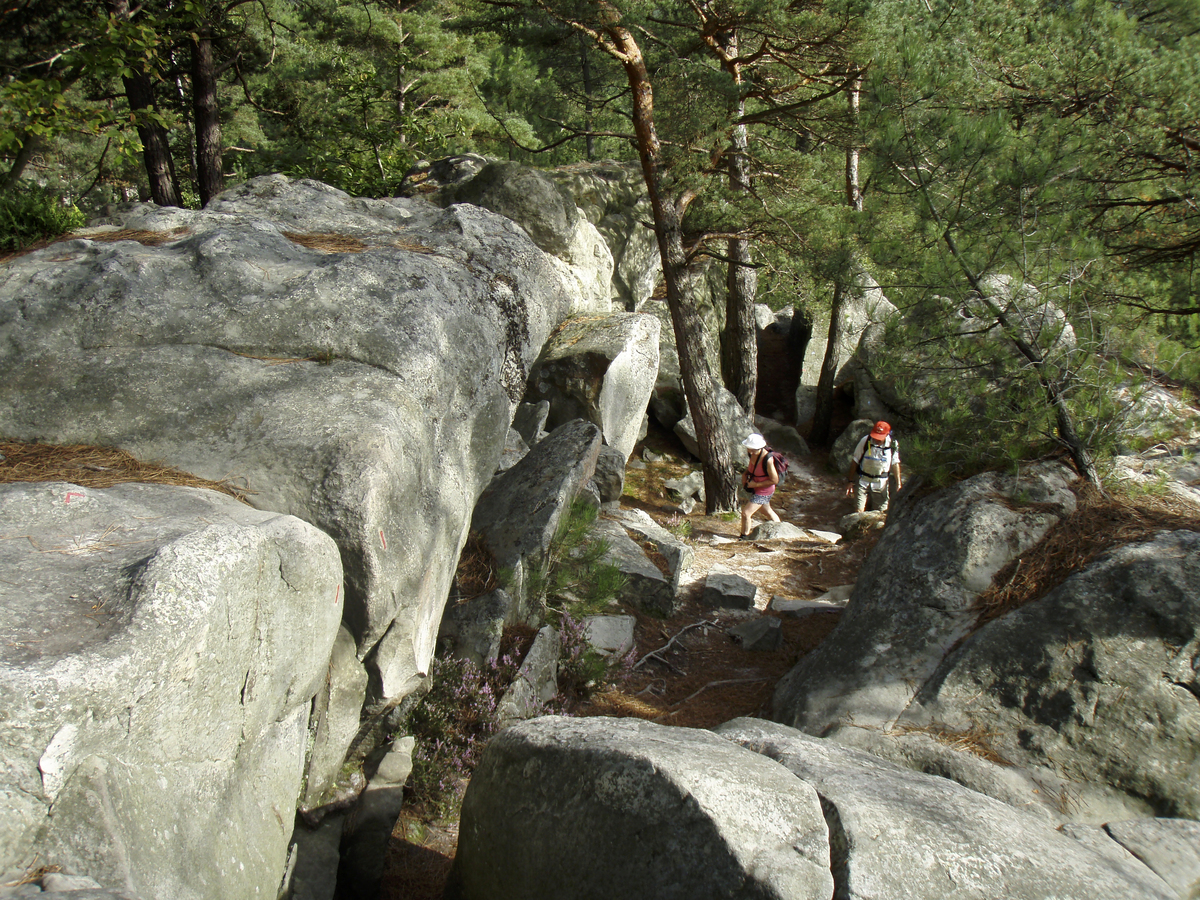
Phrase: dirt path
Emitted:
{"points": [[706, 677]]}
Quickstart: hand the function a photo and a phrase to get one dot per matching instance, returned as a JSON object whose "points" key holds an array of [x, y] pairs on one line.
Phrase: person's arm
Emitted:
{"points": [[772, 474], [854, 458]]}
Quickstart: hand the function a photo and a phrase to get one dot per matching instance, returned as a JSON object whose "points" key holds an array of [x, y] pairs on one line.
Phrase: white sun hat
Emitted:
{"points": [[754, 442]]}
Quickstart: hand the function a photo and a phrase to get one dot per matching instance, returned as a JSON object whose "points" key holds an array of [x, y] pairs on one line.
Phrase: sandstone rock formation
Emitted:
{"points": [[352, 363], [606, 807], [162, 649], [1087, 695]]}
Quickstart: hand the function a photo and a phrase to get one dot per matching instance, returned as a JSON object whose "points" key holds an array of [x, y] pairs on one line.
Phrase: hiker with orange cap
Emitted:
{"points": [[876, 461]]}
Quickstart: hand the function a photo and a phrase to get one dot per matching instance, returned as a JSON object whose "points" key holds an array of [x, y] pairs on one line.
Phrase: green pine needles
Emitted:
{"points": [[575, 576]]}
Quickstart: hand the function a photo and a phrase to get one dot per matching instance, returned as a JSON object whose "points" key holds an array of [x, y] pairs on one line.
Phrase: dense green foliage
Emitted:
{"points": [[32, 214], [1049, 144]]}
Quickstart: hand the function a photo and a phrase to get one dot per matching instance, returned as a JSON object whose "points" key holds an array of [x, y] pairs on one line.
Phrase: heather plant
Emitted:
{"points": [[452, 724], [582, 670], [679, 525]]}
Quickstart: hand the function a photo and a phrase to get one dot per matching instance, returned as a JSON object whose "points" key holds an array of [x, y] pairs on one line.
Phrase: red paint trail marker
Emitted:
{"points": [[72, 495]]}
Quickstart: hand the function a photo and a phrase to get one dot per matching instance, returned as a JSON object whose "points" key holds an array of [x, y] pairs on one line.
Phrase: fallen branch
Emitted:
{"points": [[657, 654]]}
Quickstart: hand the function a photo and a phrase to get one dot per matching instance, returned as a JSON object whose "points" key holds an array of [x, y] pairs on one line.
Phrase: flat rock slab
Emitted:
{"points": [[646, 586], [677, 553], [762, 633], [724, 588], [610, 635], [779, 531], [1171, 847]]}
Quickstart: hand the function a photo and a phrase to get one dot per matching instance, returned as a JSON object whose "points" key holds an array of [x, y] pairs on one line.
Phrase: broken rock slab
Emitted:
{"points": [[725, 589], [906, 835], [1171, 847], [536, 681], [677, 553], [646, 587], [792, 606]]}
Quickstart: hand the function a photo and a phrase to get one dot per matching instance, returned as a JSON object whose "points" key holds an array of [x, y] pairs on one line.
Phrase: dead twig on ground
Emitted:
{"points": [[723, 683], [657, 654]]}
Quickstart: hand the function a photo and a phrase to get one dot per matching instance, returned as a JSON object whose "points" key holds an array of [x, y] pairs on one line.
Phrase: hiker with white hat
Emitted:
{"points": [[876, 461], [760, 478]]}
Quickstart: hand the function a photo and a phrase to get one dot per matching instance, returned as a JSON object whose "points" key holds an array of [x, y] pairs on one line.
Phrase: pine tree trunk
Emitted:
{"points": [[739, 345], [210, 178], [700, 389], [156, 151]]}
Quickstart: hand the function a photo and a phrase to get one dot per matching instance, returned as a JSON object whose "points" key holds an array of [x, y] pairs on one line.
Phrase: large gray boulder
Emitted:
{"points": [[914, 595], [1096, 682], [604, 808], [1079, 705], [366, 388], [937, 366], [904, 835], [864, 304], [530, 198], [602, 370], [612, 196], [162, 649]]}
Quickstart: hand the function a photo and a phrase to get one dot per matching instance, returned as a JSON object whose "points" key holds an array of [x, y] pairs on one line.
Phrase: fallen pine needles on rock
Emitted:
{"points": [[95, 467]]}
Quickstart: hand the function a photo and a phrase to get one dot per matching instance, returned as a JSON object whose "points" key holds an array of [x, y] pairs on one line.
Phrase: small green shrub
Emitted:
{"points": [[32, 214], [575, 573]]}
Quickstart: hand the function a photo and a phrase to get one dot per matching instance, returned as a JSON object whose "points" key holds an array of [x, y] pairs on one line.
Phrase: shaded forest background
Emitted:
{"points": [[945, 149]]}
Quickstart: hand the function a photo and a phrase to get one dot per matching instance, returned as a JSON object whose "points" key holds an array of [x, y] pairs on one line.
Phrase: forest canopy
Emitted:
{"points": [[951, 150]]}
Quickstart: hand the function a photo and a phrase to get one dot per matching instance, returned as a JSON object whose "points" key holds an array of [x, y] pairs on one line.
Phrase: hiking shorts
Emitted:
{"points": [[871, 493]]}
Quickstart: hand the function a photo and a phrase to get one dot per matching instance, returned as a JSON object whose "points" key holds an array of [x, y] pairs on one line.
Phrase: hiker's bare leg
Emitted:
{"points": [[748, 511], [771, 514]]}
